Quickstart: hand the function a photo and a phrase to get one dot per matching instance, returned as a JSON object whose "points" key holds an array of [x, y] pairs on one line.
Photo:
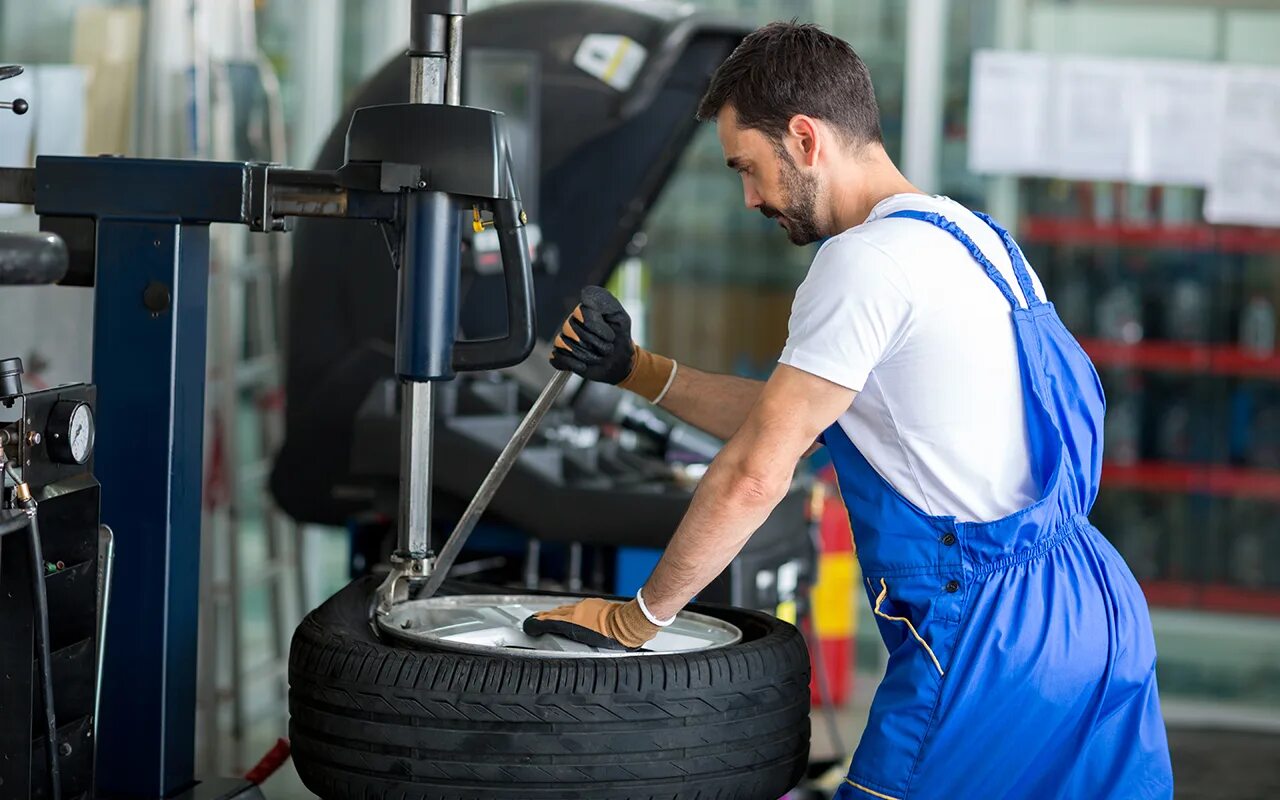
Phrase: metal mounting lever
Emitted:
{"points": [[395, 588]]}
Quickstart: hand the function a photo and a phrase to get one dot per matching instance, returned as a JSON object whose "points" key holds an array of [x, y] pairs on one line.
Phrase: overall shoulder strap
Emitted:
{"points": [[939, 221]]}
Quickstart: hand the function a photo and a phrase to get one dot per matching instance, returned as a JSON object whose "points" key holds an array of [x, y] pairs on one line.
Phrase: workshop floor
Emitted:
{"points": [[1220, 682], [1209, 764]]}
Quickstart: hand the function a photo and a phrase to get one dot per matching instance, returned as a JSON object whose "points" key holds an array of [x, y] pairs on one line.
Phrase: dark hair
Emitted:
{"points": [[789, 68]]}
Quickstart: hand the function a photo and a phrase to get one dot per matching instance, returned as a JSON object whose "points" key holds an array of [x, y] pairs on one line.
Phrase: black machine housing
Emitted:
{"points": [[599, 472], [68, 515]]}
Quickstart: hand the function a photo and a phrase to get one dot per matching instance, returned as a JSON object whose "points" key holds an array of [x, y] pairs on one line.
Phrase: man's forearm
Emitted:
{"points": [[726, 510], [717, 404]]}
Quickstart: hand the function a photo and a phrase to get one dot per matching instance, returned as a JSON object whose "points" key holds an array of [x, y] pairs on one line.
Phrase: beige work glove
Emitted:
{"points": [[596, 622]]}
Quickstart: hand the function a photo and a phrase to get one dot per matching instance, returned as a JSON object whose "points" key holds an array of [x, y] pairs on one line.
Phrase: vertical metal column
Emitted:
{"points": [[149, 365], [427, 294], [923, 92]]}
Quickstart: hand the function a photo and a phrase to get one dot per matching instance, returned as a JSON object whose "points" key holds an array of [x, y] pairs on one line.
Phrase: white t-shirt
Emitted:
{"points": [[898, 310]]}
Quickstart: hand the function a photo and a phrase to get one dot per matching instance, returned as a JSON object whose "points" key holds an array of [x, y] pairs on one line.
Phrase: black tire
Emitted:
{"points": [[372, 719]]}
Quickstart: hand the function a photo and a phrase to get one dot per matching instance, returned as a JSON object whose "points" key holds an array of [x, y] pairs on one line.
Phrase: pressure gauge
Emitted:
{"points": [[69, 435]]}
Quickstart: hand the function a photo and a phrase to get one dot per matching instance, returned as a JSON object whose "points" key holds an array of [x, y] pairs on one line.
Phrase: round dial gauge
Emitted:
{"points": [[70, 434]]}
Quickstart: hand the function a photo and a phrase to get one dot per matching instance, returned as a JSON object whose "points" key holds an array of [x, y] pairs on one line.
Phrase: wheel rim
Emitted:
{"points": [[493, 623]]}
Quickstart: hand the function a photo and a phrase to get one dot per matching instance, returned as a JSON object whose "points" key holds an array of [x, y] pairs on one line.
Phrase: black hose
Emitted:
{"points": [[46, 657], [16, 521], [12, 523]]}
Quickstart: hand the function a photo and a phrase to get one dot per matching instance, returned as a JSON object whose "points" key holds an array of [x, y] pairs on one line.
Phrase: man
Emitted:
{"points": [[965, 426]]}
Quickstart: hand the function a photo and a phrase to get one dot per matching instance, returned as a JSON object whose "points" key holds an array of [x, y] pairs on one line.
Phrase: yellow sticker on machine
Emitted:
{"points": [[615, 60]]}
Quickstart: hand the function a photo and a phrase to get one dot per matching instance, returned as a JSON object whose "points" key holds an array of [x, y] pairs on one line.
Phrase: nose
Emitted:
{"points": [[750, 196]]}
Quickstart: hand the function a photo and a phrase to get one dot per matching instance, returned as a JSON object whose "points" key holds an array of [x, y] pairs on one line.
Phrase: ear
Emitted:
{"points": [[806, 134]]}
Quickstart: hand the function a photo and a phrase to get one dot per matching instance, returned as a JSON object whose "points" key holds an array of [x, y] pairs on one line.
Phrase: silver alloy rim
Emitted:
{"points": [[489, 623]]}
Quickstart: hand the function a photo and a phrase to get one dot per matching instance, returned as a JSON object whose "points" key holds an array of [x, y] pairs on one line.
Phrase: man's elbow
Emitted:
{"points": [[758, 487]]}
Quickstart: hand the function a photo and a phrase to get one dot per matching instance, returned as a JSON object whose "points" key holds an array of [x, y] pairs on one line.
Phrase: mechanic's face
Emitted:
{"points": [[772, 181]]}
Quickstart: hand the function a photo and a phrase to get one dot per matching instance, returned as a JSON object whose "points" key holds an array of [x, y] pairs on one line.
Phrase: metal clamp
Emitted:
{"points": [[405, 571], [395, 589]]}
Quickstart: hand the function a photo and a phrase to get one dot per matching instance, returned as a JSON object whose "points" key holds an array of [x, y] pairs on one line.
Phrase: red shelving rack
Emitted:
{"points": [[1212, 597], [1211, 479], [1208, 359], [1222, 239], [1219, 361]]}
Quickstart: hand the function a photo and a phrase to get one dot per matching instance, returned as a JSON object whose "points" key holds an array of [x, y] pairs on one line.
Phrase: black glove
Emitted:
{"points": [[595, 341]]}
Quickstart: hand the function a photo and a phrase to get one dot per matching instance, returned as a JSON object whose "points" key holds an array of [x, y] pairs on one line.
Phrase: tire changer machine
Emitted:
{"points": [[90, 710], [604, 483], [100, 513]]}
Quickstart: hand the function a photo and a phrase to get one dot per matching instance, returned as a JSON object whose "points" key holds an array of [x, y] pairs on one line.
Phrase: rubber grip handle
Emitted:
{"points": [[32, 259], [517, 271]]}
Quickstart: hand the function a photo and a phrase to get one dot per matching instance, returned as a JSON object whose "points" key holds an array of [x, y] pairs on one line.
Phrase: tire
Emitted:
{"points": [[371, 719]]}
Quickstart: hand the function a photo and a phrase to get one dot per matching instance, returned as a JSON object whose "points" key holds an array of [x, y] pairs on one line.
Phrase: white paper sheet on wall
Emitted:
{"points": [[1246, 184], [1009, 113], [1176, 122], [1090, 117], [59, 109], [16, 131]]}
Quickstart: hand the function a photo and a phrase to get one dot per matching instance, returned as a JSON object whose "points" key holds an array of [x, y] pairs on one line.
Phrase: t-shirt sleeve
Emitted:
{"points": [[852, 310]]}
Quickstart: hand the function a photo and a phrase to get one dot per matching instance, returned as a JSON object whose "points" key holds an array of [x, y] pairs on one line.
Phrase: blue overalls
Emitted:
{"points": [[1021, 659]]}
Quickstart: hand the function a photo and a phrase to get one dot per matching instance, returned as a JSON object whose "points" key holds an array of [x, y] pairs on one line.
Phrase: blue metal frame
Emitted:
{"points": [[149, 365], [149, 368]]}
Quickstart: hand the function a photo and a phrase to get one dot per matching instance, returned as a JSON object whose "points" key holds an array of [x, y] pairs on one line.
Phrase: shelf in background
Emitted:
{"points": [[1212, 597], [1211, 479], [1206, 359], [1223, 239]]}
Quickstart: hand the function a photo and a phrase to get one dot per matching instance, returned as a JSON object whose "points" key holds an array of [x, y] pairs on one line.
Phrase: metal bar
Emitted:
{"points": [[506, 460], [453, 83], [17, 185], [426, 79], [144, 188], [416, 418], [317, 201], [106, 563], [149, 365], [923, 88], [575, 567], [426, 85], [235, 612]]}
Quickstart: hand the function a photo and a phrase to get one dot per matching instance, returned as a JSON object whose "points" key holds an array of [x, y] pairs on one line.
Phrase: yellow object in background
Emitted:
{"points": [[786, 611], [107, 41], [835, 595]]}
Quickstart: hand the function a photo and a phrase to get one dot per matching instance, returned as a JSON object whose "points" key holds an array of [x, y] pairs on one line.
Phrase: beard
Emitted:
{"points": [[800, 212]]}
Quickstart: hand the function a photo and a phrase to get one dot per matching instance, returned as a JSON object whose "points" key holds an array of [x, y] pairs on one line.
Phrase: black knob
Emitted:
{"points": [[10, 378], [20, 106]]}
